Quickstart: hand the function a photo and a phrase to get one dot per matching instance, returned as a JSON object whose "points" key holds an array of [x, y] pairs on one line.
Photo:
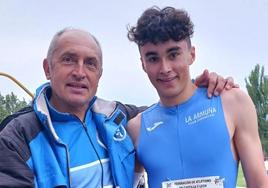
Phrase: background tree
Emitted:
{"points": [[257, 87], [10, 104]]}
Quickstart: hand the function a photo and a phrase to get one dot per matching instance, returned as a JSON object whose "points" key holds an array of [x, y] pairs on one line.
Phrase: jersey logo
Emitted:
{"points": [[201, 115], [120, 133], [156, 124]]}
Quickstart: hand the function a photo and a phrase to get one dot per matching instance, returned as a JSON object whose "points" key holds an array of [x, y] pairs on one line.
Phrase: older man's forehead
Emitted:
{"points": [[77, 35], [78, 38]]}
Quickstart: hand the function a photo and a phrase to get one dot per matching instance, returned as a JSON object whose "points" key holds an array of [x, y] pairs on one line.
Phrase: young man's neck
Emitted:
{"points": [[186, 94]]}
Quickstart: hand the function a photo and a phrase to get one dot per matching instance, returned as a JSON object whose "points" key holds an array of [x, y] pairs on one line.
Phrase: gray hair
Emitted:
{"points": [[56, 37]]}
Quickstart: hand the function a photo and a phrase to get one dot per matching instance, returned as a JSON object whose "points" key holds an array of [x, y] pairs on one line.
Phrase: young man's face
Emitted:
{"points": [[167, 66], [74, 71]]}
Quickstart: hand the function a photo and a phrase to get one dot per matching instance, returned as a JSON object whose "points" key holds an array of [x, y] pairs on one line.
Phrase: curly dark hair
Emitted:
{"points": [[159, 25]]}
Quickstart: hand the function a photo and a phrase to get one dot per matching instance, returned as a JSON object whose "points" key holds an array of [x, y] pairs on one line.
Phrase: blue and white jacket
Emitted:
{"points": [[33, 155]]}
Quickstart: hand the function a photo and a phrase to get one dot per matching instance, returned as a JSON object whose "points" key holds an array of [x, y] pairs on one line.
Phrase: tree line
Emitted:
{"points": [[9, 104], [257, 87]]}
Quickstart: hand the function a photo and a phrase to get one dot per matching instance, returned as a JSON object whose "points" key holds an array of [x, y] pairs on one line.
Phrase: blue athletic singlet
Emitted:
{"points": [[186, 141]]}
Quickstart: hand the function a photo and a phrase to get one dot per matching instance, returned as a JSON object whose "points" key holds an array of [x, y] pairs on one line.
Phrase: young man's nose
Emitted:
{"points": [[165, 66]]}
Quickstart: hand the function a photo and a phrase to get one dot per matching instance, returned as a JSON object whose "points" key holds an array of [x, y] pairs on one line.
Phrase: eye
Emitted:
{"points": [[152, 59], [68, 59], [91, 63], [173, 55]]}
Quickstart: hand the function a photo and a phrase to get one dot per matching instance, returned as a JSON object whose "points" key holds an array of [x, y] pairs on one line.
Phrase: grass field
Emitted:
{"points": [[240, 178]]}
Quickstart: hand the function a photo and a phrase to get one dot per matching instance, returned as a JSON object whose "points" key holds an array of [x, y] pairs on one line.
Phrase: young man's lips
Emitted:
{"points": [[166, 79]]}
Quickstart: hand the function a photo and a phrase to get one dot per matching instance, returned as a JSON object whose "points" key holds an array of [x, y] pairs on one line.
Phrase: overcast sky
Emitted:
{"points": [[231, 37]]}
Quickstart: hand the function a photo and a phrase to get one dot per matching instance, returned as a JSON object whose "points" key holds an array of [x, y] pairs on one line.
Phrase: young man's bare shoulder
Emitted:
{"points": [[135, 120], [235, 96], [133, 128], [238, 106]]}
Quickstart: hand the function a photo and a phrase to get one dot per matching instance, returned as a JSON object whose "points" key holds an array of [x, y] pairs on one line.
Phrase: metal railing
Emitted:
{"points": [[18, 83]]}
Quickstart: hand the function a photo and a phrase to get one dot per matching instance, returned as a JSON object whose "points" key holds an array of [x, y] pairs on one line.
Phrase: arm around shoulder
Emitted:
{"points": [[131, 110]]}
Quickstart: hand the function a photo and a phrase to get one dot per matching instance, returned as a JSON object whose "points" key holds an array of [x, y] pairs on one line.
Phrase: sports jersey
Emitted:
{"points": [[189, 140]]}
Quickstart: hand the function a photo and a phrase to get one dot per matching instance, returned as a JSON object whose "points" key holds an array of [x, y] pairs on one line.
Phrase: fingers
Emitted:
{"points": [[219, 86], [202, 80], [212, 82], [229, 83]]}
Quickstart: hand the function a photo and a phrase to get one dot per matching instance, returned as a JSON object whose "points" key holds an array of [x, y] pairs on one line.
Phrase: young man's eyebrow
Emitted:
{"points": [[150, 54], [176, 48]]}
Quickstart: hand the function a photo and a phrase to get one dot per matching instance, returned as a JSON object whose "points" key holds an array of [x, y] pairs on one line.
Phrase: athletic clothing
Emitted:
{"points": [[188, 140], [43, 148], [89, 160]]}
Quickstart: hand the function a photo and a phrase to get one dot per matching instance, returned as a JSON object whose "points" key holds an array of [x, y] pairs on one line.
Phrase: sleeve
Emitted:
{"points": [[131, 110], [14, 115], [14, 171]]}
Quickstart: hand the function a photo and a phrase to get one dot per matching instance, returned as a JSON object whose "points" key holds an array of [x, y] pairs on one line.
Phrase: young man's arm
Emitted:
{"points": [[133, 130], [241, 115]]}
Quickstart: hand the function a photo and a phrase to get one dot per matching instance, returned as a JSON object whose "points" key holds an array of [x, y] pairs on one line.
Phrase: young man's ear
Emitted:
{"points": [[192, 54], [46, 68]]}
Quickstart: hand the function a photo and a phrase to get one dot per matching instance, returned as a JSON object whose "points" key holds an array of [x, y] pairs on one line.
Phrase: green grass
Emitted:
{"points": [[240, 179]]}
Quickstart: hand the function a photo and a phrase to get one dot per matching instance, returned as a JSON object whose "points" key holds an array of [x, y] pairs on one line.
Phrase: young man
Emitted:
{"points": [[69, 138], [187, 139]]}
